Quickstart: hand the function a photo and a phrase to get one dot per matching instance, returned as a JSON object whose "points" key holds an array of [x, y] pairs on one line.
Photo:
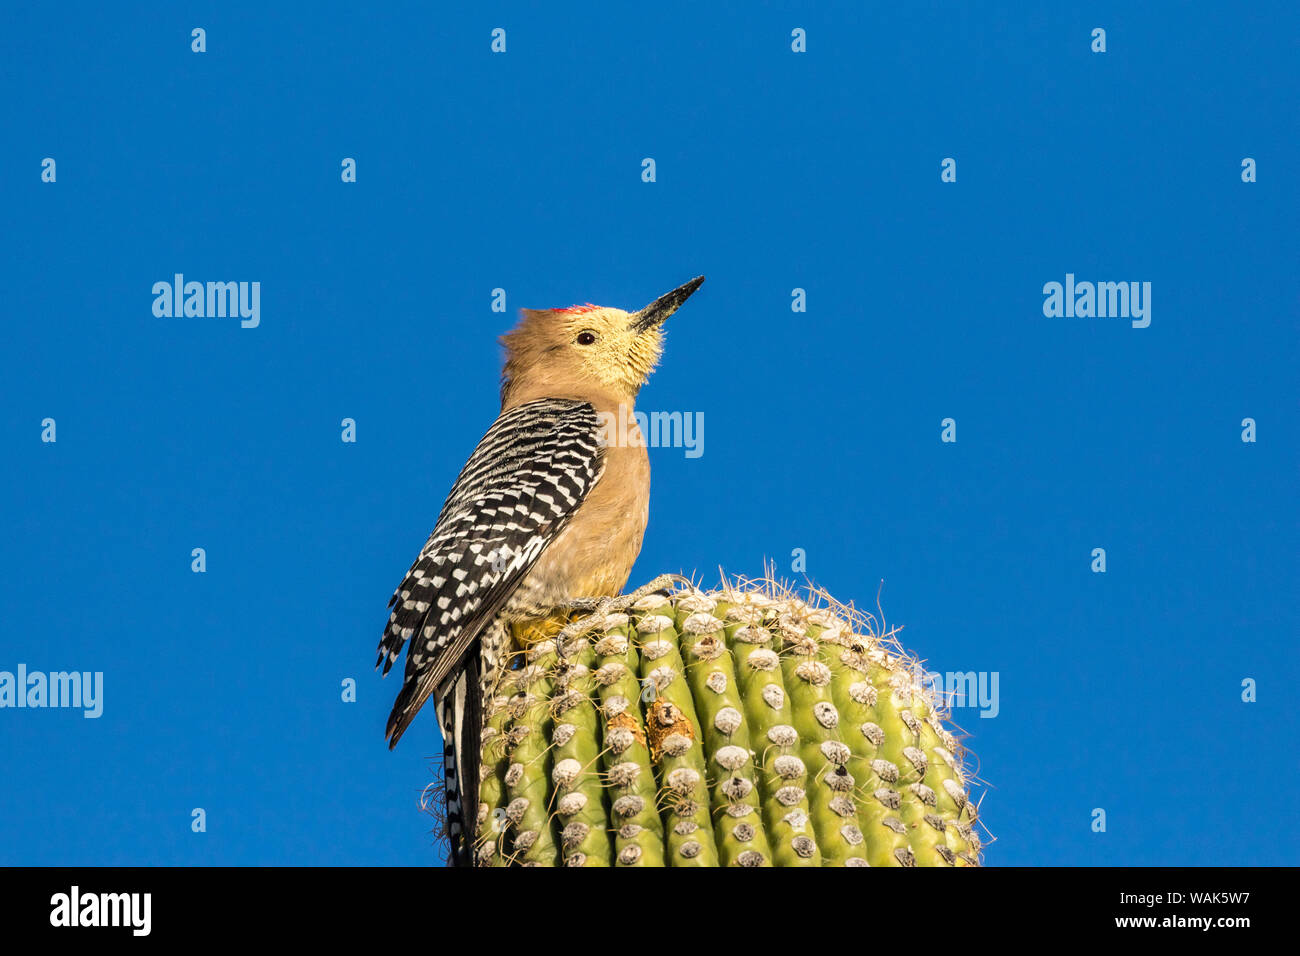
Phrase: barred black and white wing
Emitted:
{"points": [[514, 496]]}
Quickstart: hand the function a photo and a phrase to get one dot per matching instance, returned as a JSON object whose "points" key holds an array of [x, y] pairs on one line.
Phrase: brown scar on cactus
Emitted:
{"points": [[750, 725], [667, 721], [624, 722]]}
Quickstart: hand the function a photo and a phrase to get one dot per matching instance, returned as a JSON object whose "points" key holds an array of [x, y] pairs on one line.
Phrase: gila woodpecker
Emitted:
{"points": [[546, 516]]}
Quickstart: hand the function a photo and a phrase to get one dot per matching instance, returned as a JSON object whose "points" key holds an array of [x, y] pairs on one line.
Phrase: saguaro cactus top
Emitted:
{"points": [[742, 727]]}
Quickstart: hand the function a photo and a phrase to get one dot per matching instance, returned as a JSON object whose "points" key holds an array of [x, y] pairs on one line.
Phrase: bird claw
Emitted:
{"points": [[598, 609]]}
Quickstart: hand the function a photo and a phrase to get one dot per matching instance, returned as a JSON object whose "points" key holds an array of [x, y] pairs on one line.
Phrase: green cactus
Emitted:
{"points": [[743, 727]]}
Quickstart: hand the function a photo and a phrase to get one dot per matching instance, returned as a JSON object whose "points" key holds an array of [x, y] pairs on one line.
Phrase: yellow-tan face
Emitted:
{"points": [[583, 347], [586, 346], [605, 347]]}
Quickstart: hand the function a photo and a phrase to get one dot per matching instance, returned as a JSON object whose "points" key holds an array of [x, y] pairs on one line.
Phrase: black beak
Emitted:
{"points": [[662, 307]]}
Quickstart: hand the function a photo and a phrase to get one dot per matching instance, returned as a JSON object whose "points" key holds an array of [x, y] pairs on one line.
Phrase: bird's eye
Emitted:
{"points": [[586, 338]]}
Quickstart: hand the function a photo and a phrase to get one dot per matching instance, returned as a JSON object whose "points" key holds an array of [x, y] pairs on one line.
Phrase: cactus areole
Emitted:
{"points": [[742, 727]]}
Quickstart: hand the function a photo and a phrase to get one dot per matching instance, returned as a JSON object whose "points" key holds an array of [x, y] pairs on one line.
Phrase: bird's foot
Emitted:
{"points": [[596, 610]]}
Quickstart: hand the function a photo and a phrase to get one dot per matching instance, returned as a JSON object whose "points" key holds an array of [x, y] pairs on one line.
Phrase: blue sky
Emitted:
{"points": [[774, 171]]}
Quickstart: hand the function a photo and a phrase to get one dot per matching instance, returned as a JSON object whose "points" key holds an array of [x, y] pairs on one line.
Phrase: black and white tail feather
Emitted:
{"points": [[459, 711]]}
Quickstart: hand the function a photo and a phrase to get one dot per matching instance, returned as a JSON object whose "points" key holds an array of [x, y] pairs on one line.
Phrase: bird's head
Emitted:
{"points": [[586, 349]]}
